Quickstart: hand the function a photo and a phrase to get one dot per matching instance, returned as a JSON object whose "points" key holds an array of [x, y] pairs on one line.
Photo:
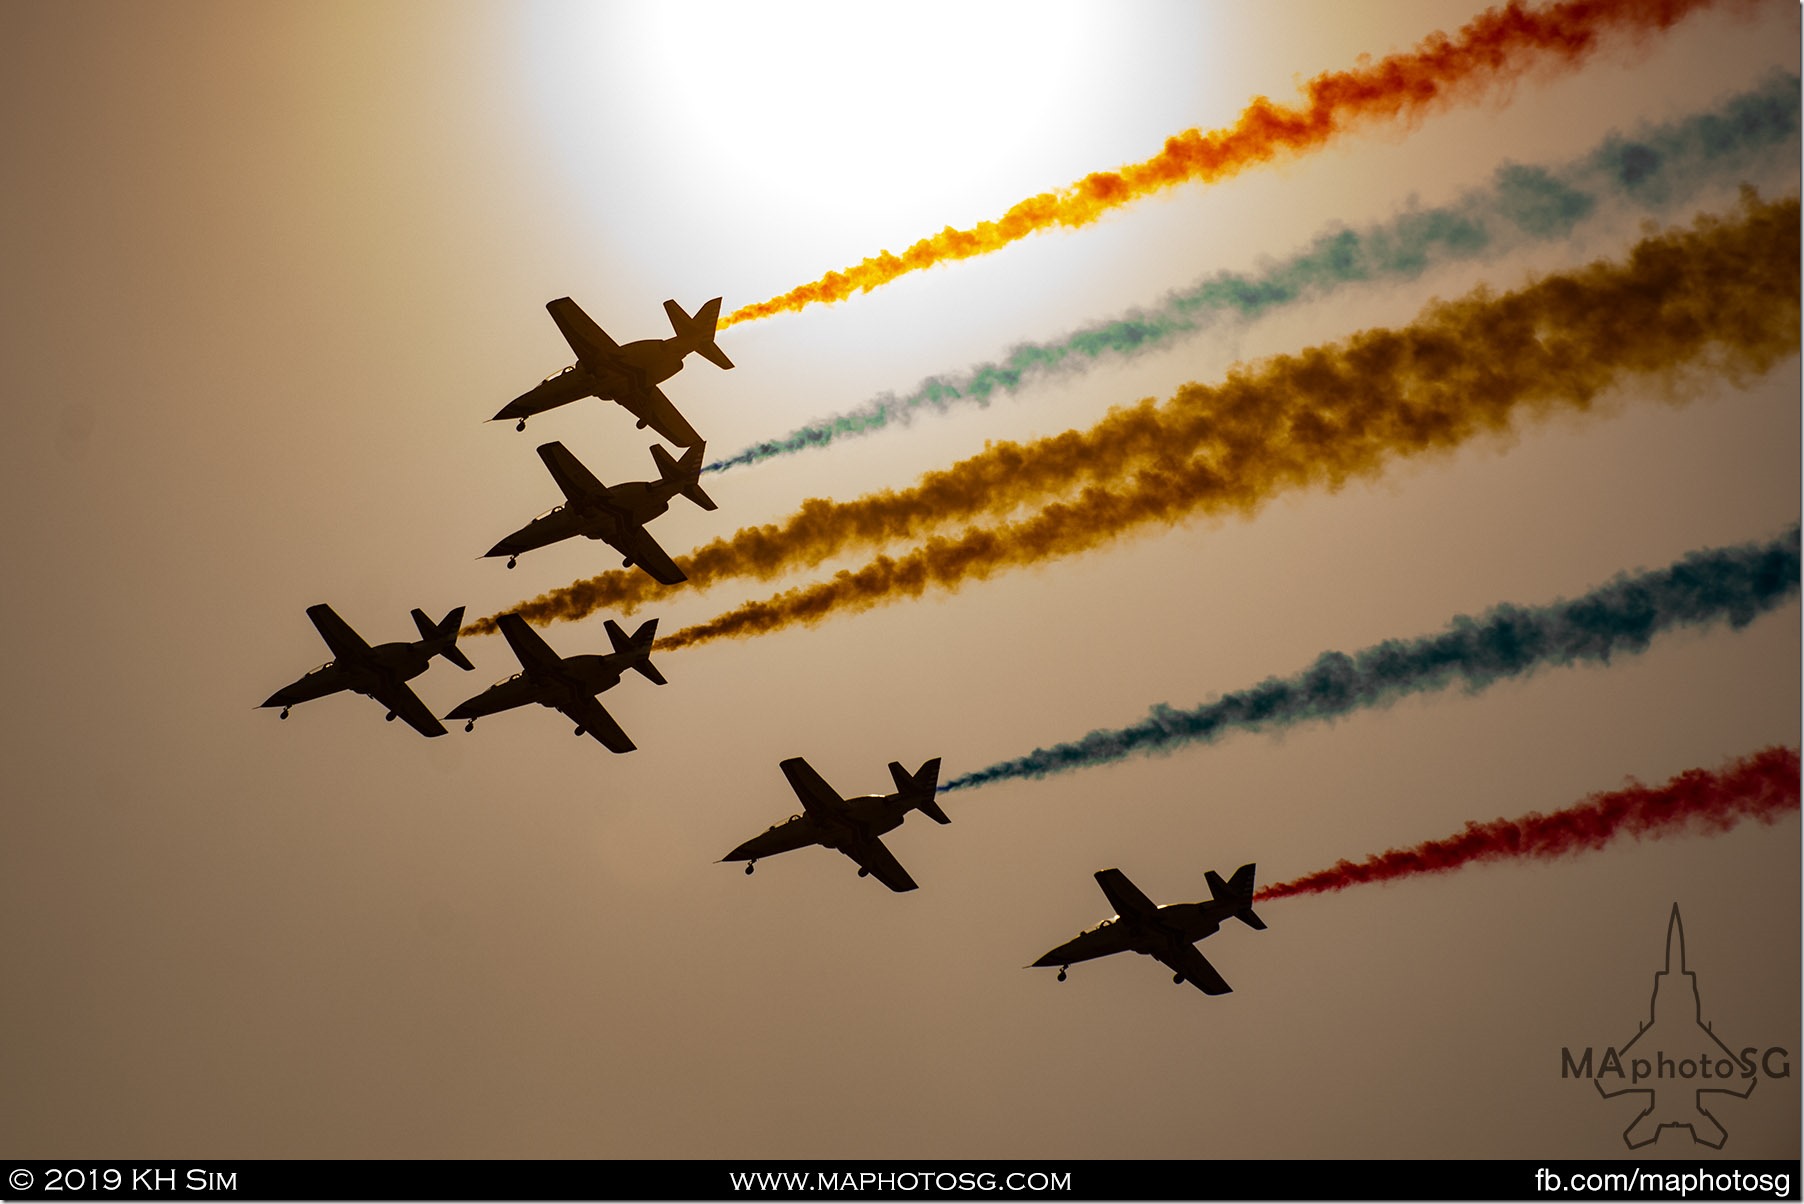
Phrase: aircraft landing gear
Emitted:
{"points": [[511, 560], [579, 731], [520, 425], [749, 865], [1177, 980], [1062, 970], [390, 716], [284, 713], [641, 424], [863, 873], [470, 726]]}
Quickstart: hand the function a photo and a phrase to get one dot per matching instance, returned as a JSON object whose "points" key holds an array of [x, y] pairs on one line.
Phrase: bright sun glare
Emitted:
{"points": [[810, 103]]}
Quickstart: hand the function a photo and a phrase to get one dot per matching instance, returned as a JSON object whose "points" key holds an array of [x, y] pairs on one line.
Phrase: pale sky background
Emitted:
{"points": [[268, 269]]}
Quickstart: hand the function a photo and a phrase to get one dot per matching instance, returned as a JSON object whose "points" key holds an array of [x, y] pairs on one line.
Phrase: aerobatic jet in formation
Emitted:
{"points": [[381, 672], [852, 826], [629, 375], [1168, 933], [566, 683], [617, 514]]}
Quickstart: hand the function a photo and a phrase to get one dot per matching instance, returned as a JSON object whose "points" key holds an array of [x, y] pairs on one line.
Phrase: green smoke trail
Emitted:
{"points": [[1736, 584], [1660, 168]]}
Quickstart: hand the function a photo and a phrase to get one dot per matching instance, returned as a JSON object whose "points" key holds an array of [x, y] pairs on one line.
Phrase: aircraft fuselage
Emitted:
{"points": [[571, 681], [1170, 927], [875, 814], [386, 665], [649, 361], [626, 374], [607, 516], [863, 819], [635, 368]]}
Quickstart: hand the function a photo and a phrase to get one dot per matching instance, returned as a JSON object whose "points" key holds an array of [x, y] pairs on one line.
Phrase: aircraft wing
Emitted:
{"points": [[879, 862], [528, 645], [1128, 899], [817, 797], [570, 474], [594, 719], [653, 409], [637, 545], [590, 342], [1195, 968], [401, 699], [344, 643]]}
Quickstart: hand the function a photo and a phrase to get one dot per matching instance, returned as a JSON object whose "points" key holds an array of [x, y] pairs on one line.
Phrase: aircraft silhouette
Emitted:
{"points": [[1168, 933], [381, 672], [617, 514], [1676, 1021], [566, 683], [852, 826], [628, 375]]}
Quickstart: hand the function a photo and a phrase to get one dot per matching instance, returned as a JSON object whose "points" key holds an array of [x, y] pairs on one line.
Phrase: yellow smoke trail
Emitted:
{"points": [[1443, 370], [1495, 47], [1720, 298]]}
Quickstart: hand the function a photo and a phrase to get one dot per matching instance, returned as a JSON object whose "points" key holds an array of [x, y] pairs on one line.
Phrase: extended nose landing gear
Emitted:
{"points": [[1062, 970], [863, 873], [1177, 979], [520, 425], [579, 731], [390, 716], [470, 726], [284, 713], [749, 865], [511, 560]]}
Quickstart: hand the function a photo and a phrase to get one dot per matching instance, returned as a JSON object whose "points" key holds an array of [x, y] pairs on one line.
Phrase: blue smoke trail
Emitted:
{"points": [[1659, 169], [1737, 584]]}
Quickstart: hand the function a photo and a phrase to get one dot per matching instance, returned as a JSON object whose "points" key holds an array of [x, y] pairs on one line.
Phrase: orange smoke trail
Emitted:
{"points": [[1321, 417], [1493, 48], [1719, 298], [1763, 786]]}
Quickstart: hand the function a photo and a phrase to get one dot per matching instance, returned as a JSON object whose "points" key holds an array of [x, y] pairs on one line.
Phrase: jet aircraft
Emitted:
{"points": [[1168, 933], [628, 375], [381, 672], [566, 683], [852, 826], [617, 514]]}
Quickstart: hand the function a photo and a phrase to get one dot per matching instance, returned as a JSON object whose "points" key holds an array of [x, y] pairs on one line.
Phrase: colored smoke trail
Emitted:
{"points": [[1658, 169], [1494, 48], [1720, 298], [1763, 786], [1736, 584]]}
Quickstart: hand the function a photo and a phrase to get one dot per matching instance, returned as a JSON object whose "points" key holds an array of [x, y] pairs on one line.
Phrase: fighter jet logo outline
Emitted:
{"points": [[1678, 1105]]}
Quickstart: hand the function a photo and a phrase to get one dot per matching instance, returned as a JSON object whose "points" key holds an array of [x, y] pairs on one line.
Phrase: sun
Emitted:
{"points": [[886, 116]]}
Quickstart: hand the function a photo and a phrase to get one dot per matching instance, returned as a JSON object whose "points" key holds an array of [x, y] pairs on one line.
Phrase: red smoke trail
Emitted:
{"points": [[1762, 786], [1494, 48]]}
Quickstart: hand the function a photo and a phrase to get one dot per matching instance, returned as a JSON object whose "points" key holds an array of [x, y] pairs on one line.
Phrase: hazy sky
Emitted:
{"points": [[269, 267]]}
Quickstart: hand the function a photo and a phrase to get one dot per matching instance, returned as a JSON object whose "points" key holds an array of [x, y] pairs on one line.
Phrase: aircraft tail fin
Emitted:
{"points": [[638, 645], [922, 786], [443, 635], [1238, 889], [685, 473], [698, 332]]}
